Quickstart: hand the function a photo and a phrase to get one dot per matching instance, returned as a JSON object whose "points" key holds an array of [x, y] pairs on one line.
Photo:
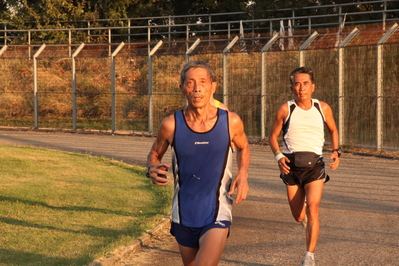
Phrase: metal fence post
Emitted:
{"points": [[263, 83], [304, 45], [35, 98], [380, 91], [271, 27], [3, 49], [113, 102], [187, 35], [149, 38], [150, 107], [74, 107], [5, 34], [169, 29], [191, 49], [225, 83], [384, 15], [29, 42], [210, 29], [293, 17], [69, 43], [129, 29], [341, 93], [88, 31], [109, 41]]}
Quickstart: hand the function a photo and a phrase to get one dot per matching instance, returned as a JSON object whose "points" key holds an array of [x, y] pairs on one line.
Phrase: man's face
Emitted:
{"points": [[302, 87], [198, 87]]}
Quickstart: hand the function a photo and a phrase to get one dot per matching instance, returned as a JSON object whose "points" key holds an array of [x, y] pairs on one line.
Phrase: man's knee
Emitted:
{"points": [[313, 209]]}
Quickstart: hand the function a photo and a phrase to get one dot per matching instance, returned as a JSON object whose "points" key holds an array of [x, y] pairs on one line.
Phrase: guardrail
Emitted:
{"points": [[149, 30]]}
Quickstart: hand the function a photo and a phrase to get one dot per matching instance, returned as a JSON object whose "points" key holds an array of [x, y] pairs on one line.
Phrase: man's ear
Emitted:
{"points": [[214, 86]]}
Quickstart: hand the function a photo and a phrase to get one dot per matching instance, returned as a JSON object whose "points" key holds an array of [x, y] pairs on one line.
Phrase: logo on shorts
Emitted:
{"points": [[220, 223], [201, 142]]}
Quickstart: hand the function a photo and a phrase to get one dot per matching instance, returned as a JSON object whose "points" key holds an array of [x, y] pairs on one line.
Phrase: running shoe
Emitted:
{"points": [[308, 261]]}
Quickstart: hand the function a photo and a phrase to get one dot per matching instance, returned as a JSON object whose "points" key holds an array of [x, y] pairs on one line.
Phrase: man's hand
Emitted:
{"points": [[334, 165], [241, 183], [282, 164], [158, 174]]}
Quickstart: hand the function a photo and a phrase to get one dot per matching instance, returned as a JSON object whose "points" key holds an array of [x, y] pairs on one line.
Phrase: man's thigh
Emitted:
{"points": [[212, 244]]}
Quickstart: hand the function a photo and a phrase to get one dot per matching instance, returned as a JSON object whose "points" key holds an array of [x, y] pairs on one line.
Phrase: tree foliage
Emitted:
{"points": [[55, 13]]}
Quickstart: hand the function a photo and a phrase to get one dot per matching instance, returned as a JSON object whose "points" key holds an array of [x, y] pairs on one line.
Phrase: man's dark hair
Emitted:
{"points": [[301, 70]]}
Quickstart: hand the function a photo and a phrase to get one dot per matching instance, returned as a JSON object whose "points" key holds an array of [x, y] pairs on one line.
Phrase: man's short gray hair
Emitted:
{"points": [[196, 64]]}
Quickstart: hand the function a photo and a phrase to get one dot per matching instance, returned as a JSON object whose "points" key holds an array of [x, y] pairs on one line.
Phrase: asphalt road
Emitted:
{"points": [[359, 213]]}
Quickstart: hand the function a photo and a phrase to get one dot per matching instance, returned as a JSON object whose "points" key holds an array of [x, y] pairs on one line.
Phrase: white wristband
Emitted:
{"points": [[278, 156]]}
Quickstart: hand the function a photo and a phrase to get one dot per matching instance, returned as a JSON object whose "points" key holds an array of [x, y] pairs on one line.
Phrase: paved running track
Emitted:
{"points": [[359, 212]]}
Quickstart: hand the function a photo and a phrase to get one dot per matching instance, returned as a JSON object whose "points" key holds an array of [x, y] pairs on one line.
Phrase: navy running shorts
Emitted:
{"points": [[190, 236]]}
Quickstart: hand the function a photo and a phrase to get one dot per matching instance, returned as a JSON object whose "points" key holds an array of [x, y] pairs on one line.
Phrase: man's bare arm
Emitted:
{"points": [[332, 127], [158, 170], [239, 138], [278, 123]]}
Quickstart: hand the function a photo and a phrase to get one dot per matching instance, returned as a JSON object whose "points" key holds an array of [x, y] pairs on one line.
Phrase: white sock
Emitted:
{"points": [[309, 254]]}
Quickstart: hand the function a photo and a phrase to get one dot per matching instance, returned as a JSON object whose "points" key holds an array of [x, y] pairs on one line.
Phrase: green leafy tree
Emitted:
{"points": [[3, 9], [55, 13], [49, 13]]}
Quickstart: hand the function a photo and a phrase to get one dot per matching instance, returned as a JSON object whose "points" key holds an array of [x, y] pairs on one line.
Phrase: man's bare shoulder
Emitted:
{"points": [[234, 117], [169, 119], [282, 112], [283, 107], [324, 106], [167, 126]]}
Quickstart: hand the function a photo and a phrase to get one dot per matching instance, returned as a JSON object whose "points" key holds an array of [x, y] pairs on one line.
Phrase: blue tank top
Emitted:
{"points": [[202, 171]]}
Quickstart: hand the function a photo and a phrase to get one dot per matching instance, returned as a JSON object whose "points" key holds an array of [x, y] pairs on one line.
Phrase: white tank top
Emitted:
{"points": [[303, 130]]}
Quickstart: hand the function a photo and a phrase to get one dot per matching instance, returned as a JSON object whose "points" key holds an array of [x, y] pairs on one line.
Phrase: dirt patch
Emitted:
{"points": [[373, 152], [161, 242]]}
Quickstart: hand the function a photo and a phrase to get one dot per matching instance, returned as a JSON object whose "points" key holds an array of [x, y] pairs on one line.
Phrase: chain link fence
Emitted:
{"points": [[356, 73]]}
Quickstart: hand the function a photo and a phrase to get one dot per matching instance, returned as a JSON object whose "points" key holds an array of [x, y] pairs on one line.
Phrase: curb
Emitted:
{"points": [[118, 254]]}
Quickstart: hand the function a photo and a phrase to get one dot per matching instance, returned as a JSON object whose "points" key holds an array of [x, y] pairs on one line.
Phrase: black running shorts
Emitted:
{"points": [[305, 175]]}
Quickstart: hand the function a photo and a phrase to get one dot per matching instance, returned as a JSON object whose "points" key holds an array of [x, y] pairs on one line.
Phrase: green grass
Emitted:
{"points": [[59, 208]]}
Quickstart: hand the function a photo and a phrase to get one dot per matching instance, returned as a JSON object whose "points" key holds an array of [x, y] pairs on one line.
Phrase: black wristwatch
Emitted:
{"points": [[338, 151], [147, 171]]}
